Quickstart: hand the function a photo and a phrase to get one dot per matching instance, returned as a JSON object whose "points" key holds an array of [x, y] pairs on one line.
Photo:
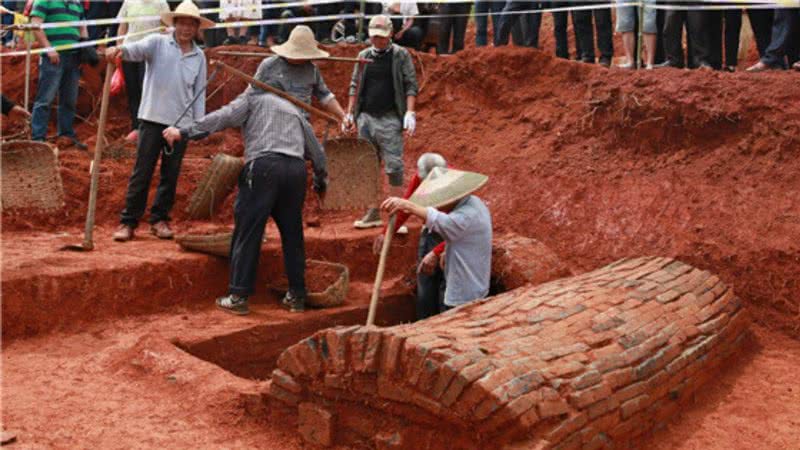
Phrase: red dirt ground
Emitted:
{"points": [[596, 164]]}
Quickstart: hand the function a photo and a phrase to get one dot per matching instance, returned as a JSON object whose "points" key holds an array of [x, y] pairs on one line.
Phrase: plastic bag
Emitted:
{"points": [[117, 81]]}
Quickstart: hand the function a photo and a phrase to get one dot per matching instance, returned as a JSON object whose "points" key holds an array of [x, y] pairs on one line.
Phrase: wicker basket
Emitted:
{"points": [[30, 175], [333, 295], [354, 173], [218, 180], [212, 244]]}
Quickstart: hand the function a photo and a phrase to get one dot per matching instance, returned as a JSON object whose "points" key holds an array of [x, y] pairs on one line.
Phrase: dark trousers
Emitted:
{"points": [[412, 37], [213, 37], [761, 23], [100, 9], [696, 36], [582, 21], [784, 42], [270, 186], [732, 20], [134, 81], [560, 22], [482, 21], [454, 27], [430, 288], [150, 149], [508, 21]]}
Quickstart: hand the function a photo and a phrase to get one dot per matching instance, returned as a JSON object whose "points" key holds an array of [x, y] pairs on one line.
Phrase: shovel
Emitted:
{"points": [[100, 143]]}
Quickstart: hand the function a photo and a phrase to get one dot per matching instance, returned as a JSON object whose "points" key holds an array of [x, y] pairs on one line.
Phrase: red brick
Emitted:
{"points": [[389, 441], [634, 405], [586, 397], [286, 381], [372, 351], [563, 368], [602, 407], [315, 424], [283, 395], [552, 407], [391, 390], [631, 391], [586, 380], [391, 347], [619, 378], [567, 427], [463, 379], [559, 352], [358, 346]]}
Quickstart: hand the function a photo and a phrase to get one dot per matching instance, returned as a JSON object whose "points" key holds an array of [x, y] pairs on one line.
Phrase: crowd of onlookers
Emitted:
{"points": [[712, 36]]}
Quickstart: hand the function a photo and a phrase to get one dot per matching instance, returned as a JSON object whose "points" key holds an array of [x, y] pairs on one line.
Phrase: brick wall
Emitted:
{"points": [[581, 362]]}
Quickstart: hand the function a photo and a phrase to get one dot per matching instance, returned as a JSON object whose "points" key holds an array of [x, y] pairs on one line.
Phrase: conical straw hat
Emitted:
{"points": [[443, 186], [301, 45], [187, 8]]}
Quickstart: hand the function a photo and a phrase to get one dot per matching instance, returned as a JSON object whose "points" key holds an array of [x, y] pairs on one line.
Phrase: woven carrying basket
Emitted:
{"points": [[30, 176], [218, 180], [333, 295], [212, 244], [354, 172]]}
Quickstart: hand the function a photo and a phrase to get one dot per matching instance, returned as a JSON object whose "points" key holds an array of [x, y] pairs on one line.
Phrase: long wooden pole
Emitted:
{"points": [[376, 288], [264, 54], [278, 92], [99, 146]]}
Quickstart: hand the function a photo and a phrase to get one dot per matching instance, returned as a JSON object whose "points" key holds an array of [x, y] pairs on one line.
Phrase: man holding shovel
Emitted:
{"points": [[464, 222], [174, 79], [292, 71], [277, 139], [382, 99]]}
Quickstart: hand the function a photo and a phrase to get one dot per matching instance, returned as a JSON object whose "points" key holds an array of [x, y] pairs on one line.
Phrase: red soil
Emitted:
{"points": [[596, 164]]}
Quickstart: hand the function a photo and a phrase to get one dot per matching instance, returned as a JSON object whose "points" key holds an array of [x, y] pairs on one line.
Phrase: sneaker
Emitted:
{"points": [[294, 303], [124, 233], [230, 40], [371, 219], [626, 66], [161, 230], [605, 62], [402, 230], [65, 142], [234, 304]]}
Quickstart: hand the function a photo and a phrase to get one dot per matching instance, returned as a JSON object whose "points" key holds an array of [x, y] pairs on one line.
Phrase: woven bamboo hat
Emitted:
{"points": [[188, 9], [300, 45], [443, 186]]}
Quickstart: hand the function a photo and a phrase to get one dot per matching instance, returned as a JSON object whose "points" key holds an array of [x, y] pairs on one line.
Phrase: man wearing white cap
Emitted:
{"points": [[381, 104], [292, 71], [175, 75], [463, 221]]}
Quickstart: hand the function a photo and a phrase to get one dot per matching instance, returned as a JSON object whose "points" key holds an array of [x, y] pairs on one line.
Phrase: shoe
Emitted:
{"points": [[161, 230], [234, 304], [796, 66], [705, 67], [371, 219], [293, 303], [402, 230], [605, 62], [626, 66], [667, 65], [124, 233], [65, 142], [133, 136], [731, 69], [230, 40], [350, 39]]}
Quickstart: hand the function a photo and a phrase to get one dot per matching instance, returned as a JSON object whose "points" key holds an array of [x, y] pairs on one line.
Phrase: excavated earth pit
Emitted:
{"points": [[122, 348]]}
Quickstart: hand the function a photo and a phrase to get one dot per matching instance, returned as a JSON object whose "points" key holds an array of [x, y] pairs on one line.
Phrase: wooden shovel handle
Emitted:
{"points": [[278, 92], [376, 288]]}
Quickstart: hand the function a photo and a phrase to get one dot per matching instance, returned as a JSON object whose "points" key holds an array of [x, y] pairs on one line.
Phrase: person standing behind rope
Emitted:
{"points": [[380, 95], [134, 70], [59, 71], [277, 139], [292, 71], [174, 77]]}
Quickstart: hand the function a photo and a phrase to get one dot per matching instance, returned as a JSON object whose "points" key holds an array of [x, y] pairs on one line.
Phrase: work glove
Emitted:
{"points": [[410, 122], [347, 123]]}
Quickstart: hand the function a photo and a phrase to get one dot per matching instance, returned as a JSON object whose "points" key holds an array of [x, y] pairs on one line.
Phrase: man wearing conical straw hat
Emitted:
{"points": [[292, 71], [175, 75], [445, 203]]}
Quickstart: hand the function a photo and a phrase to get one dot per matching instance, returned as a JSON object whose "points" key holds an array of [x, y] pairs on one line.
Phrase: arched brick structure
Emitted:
{"points": [[581, 362]]}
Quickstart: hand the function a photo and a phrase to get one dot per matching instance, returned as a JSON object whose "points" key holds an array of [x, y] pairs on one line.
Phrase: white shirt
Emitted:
{"points": [[407, 9]]}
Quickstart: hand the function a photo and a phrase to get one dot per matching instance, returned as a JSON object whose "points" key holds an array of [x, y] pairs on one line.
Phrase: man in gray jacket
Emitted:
{"points": [[277, 139], [382, 99]]}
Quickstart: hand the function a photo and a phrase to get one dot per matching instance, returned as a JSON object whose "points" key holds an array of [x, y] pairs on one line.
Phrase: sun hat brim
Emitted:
{"points": [[289, 51], [169, 19]]}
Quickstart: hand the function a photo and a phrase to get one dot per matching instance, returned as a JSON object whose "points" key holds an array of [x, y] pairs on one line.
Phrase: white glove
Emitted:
{"points": [[410, 122], [347, 123]]}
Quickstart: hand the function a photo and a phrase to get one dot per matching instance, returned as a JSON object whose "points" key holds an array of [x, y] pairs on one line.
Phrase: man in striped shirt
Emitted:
{"points": [[59, 70]]}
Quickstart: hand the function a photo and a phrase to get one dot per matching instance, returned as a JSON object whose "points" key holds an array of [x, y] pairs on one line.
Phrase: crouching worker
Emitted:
{"points": [[430, 279], [277, 139], [465, 224]]}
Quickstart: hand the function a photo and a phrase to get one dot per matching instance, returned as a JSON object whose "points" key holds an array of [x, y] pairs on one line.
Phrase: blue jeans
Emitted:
{"points": [[268, 30], [781, 45], [430, 288], [61, 79], [482, 22], [8, 19]]}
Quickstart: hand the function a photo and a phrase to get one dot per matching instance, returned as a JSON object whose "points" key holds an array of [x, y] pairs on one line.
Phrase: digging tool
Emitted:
{"points": [[168, 149], [263, 54], [100, 143], [441, 187], [278, 92]]}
